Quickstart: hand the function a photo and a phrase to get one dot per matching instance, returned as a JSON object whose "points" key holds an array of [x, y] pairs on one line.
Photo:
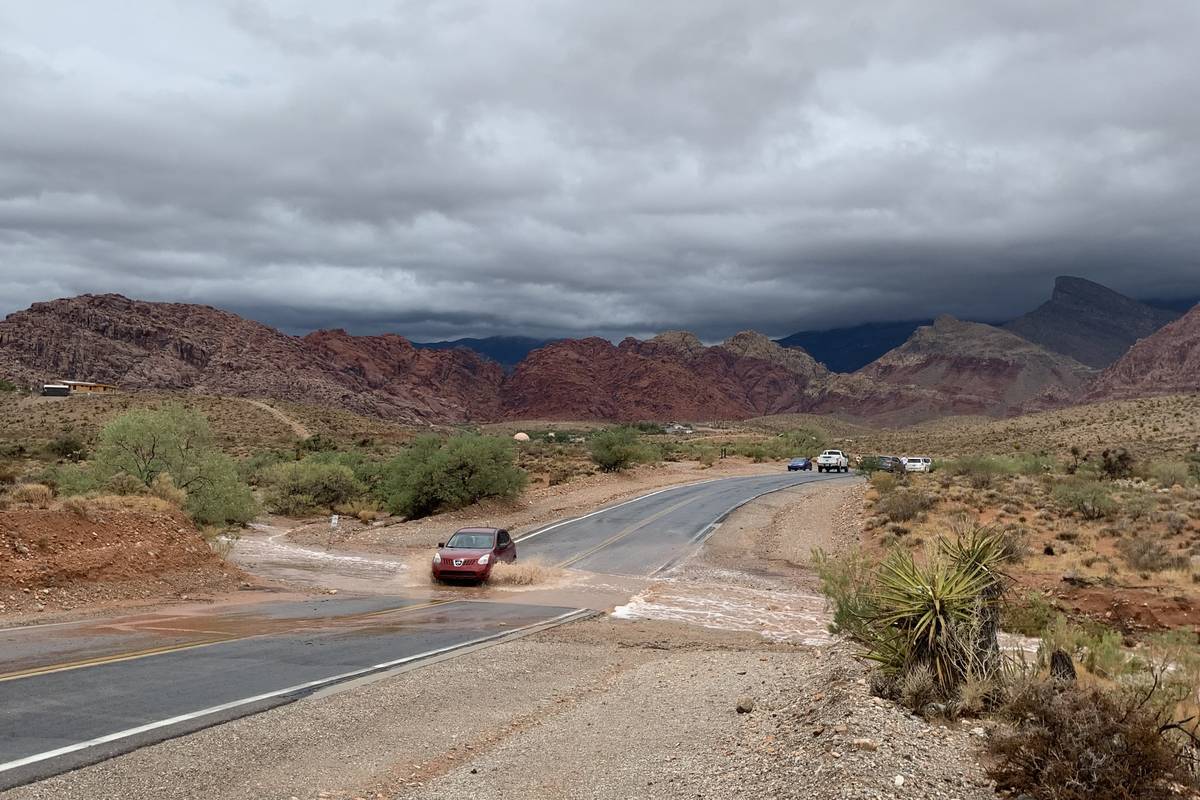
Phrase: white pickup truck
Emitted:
{"points": [[833, 461]]}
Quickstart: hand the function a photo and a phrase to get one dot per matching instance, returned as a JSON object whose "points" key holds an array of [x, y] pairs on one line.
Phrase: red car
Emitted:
{"points": [[471, 553]]}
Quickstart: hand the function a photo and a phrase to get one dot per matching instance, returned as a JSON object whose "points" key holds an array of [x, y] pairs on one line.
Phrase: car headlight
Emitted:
{"points": [[484, 559], [437, 558]]}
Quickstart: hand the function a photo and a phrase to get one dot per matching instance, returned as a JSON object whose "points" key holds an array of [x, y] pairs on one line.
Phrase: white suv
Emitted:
{"points": [[917, 464]]}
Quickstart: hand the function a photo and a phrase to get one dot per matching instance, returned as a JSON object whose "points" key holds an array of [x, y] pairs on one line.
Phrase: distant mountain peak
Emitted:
{"points": [[1089, 321]]}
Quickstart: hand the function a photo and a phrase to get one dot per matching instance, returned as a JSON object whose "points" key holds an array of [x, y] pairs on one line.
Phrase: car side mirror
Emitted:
{"points": [[441, 544]]}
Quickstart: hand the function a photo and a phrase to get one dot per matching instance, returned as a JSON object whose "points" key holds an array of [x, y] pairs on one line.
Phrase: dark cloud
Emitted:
{"points": [[468, 168]]}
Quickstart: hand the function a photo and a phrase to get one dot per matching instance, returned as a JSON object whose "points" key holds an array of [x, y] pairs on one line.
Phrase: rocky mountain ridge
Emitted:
{"points": [[949, 367]]}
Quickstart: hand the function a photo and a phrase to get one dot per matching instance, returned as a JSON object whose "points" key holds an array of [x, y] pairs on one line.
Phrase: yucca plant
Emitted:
{"points": [[929, 614]]}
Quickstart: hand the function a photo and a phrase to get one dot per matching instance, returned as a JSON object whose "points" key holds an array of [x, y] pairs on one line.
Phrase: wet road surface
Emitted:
{"points": [[645, 535], [81, 692], [78, 708]]}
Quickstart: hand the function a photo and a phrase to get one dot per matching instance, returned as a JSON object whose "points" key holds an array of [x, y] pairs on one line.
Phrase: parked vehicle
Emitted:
{"points": [[471, 553], [833, 461], [889, 464], [918, 464], [797, 464]]}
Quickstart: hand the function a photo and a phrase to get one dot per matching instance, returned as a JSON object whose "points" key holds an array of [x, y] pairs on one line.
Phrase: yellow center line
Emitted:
{"points": [[619, 535], [175, 648]]}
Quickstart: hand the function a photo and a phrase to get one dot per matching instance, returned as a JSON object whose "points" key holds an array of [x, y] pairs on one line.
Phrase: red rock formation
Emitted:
{"points": [[176, 346], [1168, 362]]}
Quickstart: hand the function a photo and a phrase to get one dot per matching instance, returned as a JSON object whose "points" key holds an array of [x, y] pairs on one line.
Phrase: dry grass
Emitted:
{"points": [[524, 573], [33, 494]]}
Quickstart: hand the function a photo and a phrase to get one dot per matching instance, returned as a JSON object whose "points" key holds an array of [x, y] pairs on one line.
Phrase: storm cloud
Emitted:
{"points": [[560, 168]]}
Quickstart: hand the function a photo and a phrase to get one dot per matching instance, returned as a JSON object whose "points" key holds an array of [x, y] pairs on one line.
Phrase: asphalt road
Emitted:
{"points": [[647, 534], [67, 713], [78, 693]]}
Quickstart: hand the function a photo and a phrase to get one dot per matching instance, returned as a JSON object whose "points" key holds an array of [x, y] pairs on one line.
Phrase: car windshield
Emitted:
{"points": [[470, 540]]}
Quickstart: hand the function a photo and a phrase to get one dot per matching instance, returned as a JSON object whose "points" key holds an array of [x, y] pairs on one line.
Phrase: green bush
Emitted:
{"points": [[7, 386], [253, 470], [68, 445], [432, 475], [902, 505], [868, 465], [980, 471], [303, 485], [1169, 473], [616, 449], [177, 441], [1090, 499], [845, 582], [1029, 616], [1147, 554]]}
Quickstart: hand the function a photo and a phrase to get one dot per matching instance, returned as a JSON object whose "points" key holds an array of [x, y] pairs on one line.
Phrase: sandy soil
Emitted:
{"points": [[57, 562]]}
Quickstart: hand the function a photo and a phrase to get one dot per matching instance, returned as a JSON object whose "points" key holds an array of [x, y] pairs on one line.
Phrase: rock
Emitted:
{"points": [[977, 731], [840, 728], [745, 704], [898, 781], [869, 745]]}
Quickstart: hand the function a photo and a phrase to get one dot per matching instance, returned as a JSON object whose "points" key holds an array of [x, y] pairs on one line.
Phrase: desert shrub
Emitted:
{"points": [[616, 449], [1147, 554], [9, 473], [979, 471], [315, 444], [432, 475], [163, 487], [1090, 499], [940, 615], [1030, 616], [175, 440], [7, 386], [69, 446], [902, 505], [364, 509], [34, 494], [320, 485], [845, 582], [122, 483], [1170, 473], [884, 482], [79, 506], [1084, 743], [1116, 463], [253, 470], [1096, 647], [1033, 464], [1137, 506]]}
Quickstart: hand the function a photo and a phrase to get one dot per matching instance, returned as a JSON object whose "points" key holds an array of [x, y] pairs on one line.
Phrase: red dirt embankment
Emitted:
{"points": [[61, 559]]}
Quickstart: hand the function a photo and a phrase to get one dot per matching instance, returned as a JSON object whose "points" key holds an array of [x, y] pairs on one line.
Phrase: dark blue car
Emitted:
{"points": [[799, 464]]}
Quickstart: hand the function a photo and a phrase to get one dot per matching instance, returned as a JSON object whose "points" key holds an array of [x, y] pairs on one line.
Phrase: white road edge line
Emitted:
{"points": [[606, 509], [707, 531], [125, 734]]}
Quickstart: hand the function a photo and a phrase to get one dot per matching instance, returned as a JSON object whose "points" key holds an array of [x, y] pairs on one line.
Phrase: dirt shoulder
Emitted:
{"points": [[538, 506], [100, 554]]}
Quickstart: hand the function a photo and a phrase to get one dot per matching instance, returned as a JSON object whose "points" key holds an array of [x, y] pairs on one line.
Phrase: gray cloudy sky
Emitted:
{"points": [[553, 167]]}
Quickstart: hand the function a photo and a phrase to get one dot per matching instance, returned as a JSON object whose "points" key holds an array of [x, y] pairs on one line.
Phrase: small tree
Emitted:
{"points": [[615, 449], [177, 441], [432, 475]]}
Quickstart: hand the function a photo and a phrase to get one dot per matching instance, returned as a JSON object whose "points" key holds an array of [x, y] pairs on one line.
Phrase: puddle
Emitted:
{"points": [[776, 615], [267, 552]]}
